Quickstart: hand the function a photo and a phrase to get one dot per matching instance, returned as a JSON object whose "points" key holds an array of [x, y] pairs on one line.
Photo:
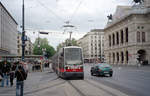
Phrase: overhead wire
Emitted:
{"points": [[75, 11], [50, 11]]}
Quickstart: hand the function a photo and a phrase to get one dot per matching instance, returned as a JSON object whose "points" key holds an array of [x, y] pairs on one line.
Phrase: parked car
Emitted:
{"points": [[102, 69]]}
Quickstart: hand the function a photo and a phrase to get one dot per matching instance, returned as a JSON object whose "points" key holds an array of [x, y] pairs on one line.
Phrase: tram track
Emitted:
{"points": [[112, 94], [82, 88], [44, 88], [102, 90], [77, 89]]}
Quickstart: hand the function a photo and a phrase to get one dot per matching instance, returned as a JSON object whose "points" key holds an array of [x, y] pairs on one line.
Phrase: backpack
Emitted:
{"points": [[24, 76]]}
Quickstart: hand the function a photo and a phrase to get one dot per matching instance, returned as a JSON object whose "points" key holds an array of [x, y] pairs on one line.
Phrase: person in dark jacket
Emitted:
{"points": [[1, 74], [5, 72], [20, 77], [12, 73]]}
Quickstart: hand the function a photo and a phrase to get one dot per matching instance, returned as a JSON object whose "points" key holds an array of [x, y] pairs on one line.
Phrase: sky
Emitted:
{"points": [[51, 15]]}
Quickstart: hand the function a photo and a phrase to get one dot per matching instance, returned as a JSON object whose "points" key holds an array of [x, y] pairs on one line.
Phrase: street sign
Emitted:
{"points": [[43, 33]]}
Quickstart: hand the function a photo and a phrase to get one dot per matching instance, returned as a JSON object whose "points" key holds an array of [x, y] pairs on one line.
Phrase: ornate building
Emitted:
{"points": [[28, 48], [127, 35]]}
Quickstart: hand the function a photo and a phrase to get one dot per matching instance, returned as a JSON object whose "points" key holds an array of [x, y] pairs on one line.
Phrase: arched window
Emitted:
{"points": [[113, 39], [113, 57], [122, 36], [127, 34], [109, 58], [143, 36], [117, 57], [117, 38], [122, 57], [109, 40], [138, 36], [127, 56]]}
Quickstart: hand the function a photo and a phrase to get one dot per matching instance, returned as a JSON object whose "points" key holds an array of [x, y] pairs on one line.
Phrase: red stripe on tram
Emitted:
{"points": [[74, 70]]}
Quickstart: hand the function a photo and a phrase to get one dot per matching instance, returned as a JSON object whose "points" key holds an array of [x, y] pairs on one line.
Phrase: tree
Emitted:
{"points": [[43, 42], [67, 42]]}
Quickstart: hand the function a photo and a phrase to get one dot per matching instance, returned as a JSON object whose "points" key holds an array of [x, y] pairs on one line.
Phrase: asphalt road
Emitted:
{"points": [[126, 81], [130, 80]]}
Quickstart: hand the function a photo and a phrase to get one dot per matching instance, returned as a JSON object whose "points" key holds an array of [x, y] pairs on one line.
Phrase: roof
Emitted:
{"points": [[72, 47], [97, 30], [8, 13]]}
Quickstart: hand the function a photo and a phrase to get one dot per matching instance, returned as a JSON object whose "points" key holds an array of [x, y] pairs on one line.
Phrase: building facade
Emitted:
{"points": [[8, 32], [127, 35], [92, 44], [28, 47]]}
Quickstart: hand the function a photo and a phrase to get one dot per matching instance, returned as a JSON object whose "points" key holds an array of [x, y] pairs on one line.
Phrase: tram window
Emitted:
{"points": [[73, 56]]}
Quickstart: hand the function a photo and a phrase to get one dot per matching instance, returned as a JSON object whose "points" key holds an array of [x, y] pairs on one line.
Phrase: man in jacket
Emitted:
{"points": [[20, 77], [5, 72]]}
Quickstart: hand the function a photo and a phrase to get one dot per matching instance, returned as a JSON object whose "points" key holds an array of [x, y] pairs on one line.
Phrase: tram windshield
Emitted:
{"points": [[73, 56]]}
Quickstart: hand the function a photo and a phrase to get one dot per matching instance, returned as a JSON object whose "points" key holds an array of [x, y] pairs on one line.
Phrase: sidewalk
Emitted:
{"points": [[34, 80], [141, 68]]}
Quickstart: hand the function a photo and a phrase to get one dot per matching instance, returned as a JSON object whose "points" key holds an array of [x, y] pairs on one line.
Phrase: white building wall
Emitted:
{"points": [[91, 41], [8, 33]]}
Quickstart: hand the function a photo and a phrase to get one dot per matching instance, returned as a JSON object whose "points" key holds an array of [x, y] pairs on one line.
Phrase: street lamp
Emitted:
{"points": [[69, 26], [23, 31]]}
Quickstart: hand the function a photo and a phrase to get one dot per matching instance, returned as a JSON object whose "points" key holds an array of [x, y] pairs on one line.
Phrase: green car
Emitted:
{"points": [[102, 69]]}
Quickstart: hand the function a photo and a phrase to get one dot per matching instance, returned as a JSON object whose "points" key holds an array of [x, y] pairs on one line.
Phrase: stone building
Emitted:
{"points": [[8, 33], [127, 35], [92, 44], [28, 47]]}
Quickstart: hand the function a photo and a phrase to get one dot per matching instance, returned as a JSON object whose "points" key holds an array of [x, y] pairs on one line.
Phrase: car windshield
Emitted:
{"points": [[73, 56], [104, 65]]}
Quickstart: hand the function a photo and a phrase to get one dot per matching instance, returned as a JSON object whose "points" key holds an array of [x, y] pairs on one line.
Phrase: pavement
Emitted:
{"points": [[134, 81], [126, 81]]}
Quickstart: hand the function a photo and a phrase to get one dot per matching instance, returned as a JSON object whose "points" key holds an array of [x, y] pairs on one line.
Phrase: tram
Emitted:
{"points": [[68, 62]]}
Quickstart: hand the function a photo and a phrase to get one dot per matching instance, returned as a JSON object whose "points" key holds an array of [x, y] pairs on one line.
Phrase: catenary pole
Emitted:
{"points": [[23, 32]]}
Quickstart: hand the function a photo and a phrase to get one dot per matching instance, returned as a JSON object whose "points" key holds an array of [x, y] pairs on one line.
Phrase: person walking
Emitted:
{"points": [[26, 68], [20, 77], [1, 74], [5, 72], [12, 73]]}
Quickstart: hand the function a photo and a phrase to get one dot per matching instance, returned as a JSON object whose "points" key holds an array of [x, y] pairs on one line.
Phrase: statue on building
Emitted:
{"points": [[110, 17], [138, 1]]}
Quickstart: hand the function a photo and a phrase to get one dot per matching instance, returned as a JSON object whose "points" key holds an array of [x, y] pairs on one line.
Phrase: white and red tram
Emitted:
{"points": [[68, 62]]}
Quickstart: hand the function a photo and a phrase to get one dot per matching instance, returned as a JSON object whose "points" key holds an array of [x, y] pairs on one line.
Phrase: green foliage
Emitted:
{"points": [[67, 42], [43, 42]]}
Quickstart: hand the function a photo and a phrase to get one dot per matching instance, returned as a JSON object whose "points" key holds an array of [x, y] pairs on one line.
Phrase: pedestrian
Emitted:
{"points": [[11, 77], [20, 77], [5, 73], [1, 74], [12, 73], [26, 68]]}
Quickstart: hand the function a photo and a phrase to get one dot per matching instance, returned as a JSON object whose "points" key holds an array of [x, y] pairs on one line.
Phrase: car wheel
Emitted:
{"points": [[82, 78], [110, 75]]}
